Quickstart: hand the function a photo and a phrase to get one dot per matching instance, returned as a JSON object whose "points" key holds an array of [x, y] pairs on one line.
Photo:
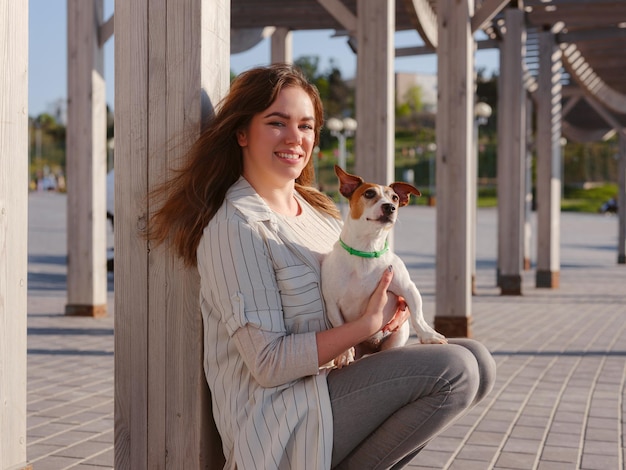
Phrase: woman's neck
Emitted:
{"points": [[280, 200], [283, 204]]}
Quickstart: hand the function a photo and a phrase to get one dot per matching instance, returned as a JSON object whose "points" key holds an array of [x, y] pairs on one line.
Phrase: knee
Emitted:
{"points": [[484, 368], [463, 375]]}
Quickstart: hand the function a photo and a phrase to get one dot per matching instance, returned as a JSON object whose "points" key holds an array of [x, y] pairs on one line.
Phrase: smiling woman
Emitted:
{"points": [[245, 211]]}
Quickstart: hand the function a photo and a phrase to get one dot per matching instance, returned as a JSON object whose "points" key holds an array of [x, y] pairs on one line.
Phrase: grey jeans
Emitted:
{"points": [[388, 406]]}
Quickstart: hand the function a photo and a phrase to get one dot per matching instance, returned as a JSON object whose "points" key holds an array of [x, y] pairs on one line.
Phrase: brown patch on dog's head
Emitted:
{"points": [[347, 183], [366, 195], [404, 191]]}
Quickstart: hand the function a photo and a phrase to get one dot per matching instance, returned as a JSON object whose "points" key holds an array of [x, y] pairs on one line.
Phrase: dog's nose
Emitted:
{"points": [[388, 209]]}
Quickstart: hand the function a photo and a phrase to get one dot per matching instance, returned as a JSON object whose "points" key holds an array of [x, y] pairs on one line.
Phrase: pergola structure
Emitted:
{"points": [[562, 62]]}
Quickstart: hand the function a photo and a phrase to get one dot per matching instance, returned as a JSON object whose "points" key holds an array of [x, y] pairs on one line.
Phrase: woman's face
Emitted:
{"points": [[278, 143]]}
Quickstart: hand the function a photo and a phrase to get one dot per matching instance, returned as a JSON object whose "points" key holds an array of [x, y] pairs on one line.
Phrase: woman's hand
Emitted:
{"points": [[378, 313]]}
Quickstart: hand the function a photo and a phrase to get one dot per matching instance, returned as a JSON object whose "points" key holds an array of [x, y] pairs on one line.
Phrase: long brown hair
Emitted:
{"points": [[192, 196]]}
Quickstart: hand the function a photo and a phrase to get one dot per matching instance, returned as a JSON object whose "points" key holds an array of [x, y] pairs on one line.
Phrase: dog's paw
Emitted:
{"points": [[433, 338], [345, 358]]}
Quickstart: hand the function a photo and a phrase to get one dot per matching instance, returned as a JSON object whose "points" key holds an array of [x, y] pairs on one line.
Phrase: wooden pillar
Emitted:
{"points": [[548, 161], [528, 199], [455, 115], [282, 46], [13, 231], [621, 200], [375, 91], [172, 66], [86, 162], [511, 154]]}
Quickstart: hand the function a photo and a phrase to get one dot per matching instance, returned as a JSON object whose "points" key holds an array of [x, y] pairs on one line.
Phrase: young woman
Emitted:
{"points": [[245, 212]]}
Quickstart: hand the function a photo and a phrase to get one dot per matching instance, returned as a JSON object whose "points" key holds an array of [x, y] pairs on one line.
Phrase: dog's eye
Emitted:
{"points": [[395, 198], [370, 194]]}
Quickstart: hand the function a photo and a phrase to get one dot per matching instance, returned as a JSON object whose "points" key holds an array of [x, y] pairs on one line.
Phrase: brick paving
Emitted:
{"points": [[558, 402]]}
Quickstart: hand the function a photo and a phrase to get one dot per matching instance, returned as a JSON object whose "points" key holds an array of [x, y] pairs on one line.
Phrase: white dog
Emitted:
{"points": [[352, 270]]}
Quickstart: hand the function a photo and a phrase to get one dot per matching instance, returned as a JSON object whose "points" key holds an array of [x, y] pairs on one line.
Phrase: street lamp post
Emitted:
{"points": [[342, 129], [432, 149]]}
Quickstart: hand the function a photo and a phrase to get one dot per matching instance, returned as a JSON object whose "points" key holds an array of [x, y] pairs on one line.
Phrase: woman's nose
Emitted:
{"points": [[294, 135]]}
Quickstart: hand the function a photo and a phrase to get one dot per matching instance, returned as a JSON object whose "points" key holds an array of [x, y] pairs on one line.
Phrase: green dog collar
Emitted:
{"points": [[365, 254]]}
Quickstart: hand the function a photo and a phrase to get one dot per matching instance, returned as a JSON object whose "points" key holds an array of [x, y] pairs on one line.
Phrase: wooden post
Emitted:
{"points": [[86, 162], [282, 46], [548, 161], [172, 66], [621, 199], [374, 142], [455, 115], [528, 198], [13, 231], [511, 154]]}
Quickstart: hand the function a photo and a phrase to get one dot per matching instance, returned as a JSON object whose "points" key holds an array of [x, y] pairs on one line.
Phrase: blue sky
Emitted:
{"points": [[48, 54]]}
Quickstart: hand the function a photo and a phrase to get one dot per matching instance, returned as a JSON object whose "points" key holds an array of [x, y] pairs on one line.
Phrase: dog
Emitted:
{"points": [[352, 269]]}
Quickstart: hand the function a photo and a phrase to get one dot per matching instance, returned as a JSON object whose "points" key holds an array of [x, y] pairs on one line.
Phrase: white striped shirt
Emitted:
{"points": [[261, 304]]}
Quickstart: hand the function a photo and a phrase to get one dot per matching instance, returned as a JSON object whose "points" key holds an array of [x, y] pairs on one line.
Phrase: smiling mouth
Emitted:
{"points": [[288, 156]]}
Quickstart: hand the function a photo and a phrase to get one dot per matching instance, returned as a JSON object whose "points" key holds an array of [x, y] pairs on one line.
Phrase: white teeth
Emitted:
{"points": [[289, 156]]}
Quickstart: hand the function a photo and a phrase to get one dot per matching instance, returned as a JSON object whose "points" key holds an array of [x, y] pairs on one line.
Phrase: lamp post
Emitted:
{"points": [[342, 129], [432, 148], [482, 112]]}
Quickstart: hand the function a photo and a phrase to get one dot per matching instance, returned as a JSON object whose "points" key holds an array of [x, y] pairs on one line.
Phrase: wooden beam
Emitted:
{"points": [[86, 162], [375, 91], [511, 155], [549, 153], [486, 12], [621, 200], [578, 134], [425, 21], [455, 111], [344, 16], [13, 231], [426, 50], [172, 67], [281, 48], [106, 30], [570, 105], [604, 114], [589, 81]]}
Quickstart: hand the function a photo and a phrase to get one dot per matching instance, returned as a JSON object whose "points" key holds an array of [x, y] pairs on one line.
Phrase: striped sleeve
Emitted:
{"points": [[239, 276]]}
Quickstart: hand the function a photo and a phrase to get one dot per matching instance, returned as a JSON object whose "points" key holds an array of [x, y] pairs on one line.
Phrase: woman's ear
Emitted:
{"points": [[242, 138]]}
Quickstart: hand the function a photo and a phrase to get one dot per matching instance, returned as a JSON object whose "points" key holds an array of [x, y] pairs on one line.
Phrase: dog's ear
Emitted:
{"points": [[347, 182], [404, 190]]}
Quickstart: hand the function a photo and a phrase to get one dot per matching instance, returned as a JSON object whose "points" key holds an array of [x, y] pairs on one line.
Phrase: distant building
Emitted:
{"points": [[427, 84]]}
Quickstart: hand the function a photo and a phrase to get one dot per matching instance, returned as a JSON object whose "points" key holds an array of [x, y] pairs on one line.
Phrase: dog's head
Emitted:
{"points": [[374, 202]]}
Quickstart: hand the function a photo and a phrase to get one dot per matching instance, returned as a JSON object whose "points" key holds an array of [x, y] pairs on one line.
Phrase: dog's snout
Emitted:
{"points": [[388, 209]]}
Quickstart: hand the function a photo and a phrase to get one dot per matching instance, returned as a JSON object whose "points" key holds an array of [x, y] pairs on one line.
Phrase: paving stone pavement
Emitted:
{"points": [[558, 402]]}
